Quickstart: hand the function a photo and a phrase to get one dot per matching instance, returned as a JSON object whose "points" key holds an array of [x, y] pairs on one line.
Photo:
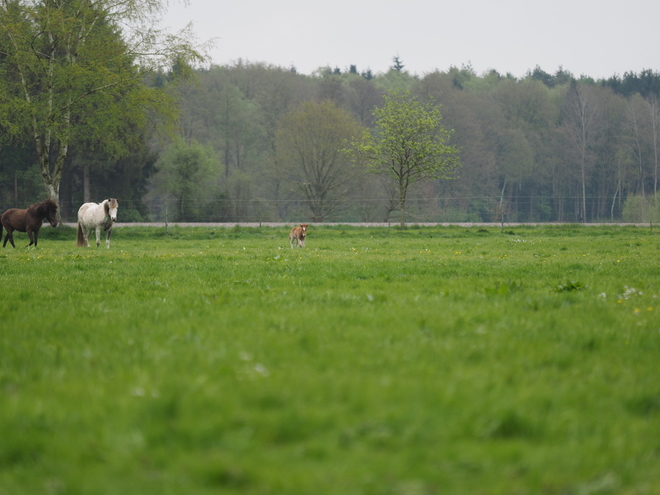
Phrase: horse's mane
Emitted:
{"points": [[108, 204], [42, 208]]}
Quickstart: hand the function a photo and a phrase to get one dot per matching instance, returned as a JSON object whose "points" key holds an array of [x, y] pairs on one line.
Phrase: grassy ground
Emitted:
{"points": [[374, 361]]}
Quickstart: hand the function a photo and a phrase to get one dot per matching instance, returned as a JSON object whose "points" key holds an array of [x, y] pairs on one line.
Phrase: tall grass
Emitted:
{"points": [[374, 361]]}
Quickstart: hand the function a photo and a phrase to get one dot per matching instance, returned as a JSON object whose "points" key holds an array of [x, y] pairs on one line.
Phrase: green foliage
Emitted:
{"points": [[641, 209], [308, 153], [408, 144], [23, 185], [189, 172], [520, 147], [130, 215], [570, 286], [504, 288], [374, 360], [646, 83], [72, 73]]}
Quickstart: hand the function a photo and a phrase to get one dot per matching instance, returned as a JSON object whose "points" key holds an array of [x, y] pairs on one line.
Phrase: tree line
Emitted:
{"points": [[545, 147], [256, 142]]}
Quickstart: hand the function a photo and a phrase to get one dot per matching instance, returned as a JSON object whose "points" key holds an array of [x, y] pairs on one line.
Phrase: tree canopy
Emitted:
{"points": [[73, 71], [408, 144], [188, 173], [308, 144], [522, 152]]}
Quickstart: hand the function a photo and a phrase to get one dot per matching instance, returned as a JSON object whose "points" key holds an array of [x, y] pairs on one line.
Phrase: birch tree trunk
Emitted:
{"points": [[581, 109]]}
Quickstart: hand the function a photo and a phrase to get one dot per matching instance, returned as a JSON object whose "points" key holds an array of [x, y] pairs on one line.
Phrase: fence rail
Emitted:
{"points": [[419, 210], [365, 224]]}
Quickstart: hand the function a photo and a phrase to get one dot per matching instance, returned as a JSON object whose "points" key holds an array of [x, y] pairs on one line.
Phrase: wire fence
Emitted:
{"points": [[167, 227], [372, 210]]}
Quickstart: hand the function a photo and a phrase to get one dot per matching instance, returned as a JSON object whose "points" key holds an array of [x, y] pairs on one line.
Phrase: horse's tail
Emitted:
{"points": [[81, 237]]}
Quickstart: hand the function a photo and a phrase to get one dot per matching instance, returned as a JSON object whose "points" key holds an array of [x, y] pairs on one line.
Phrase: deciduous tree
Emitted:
{"points": [[75, 68], [409, 144], [654, 113], [189, 174], [581, 117], [308, 149]]}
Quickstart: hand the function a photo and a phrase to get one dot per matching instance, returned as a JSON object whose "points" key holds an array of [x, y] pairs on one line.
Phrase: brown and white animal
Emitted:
{"points": [[298, 234], [92, 216]]}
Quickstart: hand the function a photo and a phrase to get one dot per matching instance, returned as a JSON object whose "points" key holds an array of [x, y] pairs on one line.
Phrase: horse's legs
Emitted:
{"points": [[10, 237], [107, 237], [98, 236], [33, 237], [86, 233]]}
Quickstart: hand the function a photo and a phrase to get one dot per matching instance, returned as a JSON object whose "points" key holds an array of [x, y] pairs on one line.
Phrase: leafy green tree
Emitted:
{"points": [[641, 209], [188, 174], [72, 70], [409, 144], [308, 151], [394, 80]]}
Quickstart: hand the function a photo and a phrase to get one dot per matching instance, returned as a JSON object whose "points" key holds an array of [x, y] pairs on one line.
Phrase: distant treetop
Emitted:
{"points": [[646, 83], [398, 65]]}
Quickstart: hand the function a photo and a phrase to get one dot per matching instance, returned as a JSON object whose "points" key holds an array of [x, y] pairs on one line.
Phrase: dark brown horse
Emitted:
{"points": [[29, 221]]}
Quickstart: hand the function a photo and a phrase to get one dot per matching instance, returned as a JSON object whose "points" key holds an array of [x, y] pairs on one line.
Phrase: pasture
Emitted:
{"points": [[373, 361]]}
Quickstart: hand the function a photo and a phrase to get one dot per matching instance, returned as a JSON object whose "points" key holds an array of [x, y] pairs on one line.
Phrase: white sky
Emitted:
{"points": [[597, 38]]}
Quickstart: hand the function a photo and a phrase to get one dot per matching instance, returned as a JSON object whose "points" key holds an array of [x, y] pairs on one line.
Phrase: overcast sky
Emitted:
{"points": [[597, 38]]}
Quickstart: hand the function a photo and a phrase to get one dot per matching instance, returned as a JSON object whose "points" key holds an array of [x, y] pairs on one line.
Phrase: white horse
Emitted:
{"points": [[96, 216]]}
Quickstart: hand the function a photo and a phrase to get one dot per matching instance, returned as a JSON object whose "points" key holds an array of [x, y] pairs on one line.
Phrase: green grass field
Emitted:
{"points": [[374, 361]]}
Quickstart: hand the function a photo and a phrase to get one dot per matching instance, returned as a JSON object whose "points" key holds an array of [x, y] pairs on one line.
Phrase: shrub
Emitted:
{"points": [[130, 215], [641, 209]]}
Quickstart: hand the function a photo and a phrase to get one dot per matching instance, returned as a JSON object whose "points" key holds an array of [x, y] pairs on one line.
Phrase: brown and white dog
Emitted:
{"points": [[298, 234]]}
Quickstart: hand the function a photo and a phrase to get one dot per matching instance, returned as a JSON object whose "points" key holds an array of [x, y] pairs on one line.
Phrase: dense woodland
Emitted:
{"points": [[548, 147]]}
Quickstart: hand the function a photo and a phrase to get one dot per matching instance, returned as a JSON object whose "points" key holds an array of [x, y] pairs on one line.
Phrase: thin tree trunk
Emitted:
{"points": [[501, 208], [86, 186], [654, 122], [618, 186], [584, 175], [403, 189]]}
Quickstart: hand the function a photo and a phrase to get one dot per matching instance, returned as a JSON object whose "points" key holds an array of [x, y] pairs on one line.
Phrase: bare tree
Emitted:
{"points": [[308, 144], [635, 123], [654, 110], [580, 110]]}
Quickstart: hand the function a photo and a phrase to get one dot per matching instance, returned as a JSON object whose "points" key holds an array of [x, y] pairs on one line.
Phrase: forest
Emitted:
{"points": [[547, 147]]}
